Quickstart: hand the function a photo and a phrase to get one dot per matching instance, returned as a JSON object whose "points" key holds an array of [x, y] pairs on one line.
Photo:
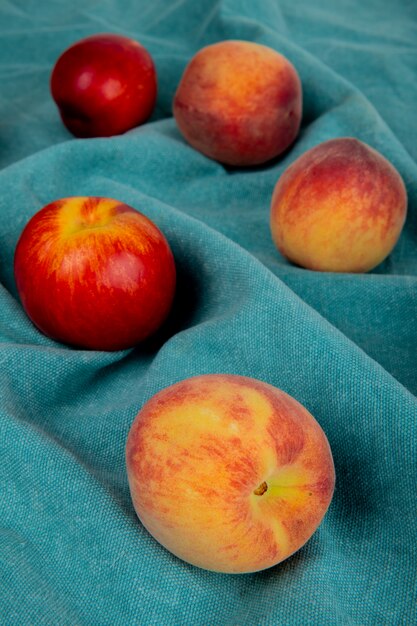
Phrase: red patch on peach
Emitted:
{"points": [[239, 102], [196, 491], [339, 207]]}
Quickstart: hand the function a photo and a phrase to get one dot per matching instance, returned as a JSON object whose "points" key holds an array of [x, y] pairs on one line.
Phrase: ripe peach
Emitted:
{"points": [[239, 102], [228, 473], [340, 207]]}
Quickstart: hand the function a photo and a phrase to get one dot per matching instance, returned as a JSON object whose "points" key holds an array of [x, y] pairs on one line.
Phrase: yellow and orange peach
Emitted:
{"points": [[229, 473], [340, 207], [239, 102]]}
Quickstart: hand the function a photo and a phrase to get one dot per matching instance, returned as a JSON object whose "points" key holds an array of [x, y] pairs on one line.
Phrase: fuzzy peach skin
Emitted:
{"points": [[340, 207], [239, 103], [229, 473]]}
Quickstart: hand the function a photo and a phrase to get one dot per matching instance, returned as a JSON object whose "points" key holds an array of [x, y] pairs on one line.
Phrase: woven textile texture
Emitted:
{"points": [[72, 551]]}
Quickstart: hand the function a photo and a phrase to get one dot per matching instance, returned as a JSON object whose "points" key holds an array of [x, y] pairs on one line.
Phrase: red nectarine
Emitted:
{"points": [[104, 85], [95, 273]]}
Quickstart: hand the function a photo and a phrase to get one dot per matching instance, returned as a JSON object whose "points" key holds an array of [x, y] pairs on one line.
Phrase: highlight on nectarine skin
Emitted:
{"points": [[239, 102], [228, 473], [340, 207], [95, 273], [104, 85]]}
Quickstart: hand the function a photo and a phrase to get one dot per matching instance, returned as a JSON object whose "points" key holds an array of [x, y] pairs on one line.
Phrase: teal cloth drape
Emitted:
{"points": [[72, 551]]}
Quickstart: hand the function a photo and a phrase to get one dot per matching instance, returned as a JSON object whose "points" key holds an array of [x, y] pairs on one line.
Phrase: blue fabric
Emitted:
{"points": [[71, 548]]}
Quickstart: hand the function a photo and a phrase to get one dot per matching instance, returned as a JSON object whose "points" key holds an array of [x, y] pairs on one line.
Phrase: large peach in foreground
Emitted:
{"points": [[239, 103], [340, 207], [95, 273], [229, 473]]}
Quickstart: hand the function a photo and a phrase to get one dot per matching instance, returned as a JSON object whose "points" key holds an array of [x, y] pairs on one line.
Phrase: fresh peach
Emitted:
{"points": [[340, 207], [229, 473], [239, 103]]}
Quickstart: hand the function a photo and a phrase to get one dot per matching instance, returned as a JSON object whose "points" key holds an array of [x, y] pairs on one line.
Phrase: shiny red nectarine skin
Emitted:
{"points": [[104, 85], [95, 273]]}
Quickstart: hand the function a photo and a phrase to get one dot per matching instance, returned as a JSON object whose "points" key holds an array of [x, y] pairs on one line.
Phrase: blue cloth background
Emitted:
{"points": [[72, 551]]}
